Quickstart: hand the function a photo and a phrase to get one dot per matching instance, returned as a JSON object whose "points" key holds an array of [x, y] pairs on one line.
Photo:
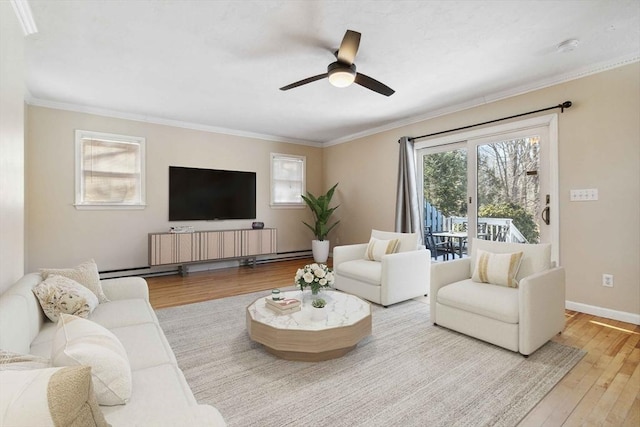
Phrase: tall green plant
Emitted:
{"points": [[321, 212]]}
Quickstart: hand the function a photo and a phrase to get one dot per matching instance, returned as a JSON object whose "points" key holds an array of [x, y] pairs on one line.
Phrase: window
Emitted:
{"points": [[109, 171], [287, 180]]}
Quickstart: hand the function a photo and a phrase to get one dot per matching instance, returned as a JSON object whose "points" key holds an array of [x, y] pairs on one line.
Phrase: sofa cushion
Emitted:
{"points": [[80, 341], [408, 241], [535, 257], [86, 274], [497, 269], [116, 314], [59, 294], [157, 391], [112, 315], [496, 302], [362, 270], [49, 397], [377, 248], [10, 361], [145, 345]]}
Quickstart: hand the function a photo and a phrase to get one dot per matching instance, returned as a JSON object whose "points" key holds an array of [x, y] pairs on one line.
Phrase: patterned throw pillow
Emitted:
{"points": [[378, 248], [59, 294], [497, 269], [86, 274], [78, 341]]}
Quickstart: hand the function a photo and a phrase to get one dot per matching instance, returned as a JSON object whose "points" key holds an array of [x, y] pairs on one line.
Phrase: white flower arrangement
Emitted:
{"points": [[315, 276]]}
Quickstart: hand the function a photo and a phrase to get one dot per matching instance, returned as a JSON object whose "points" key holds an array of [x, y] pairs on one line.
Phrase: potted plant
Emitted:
{"points": [[321, 213], [318, 303]]}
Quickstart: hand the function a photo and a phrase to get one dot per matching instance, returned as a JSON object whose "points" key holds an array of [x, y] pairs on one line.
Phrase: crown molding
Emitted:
{"points": [[23, 12], [161, 121], [520, 90]]}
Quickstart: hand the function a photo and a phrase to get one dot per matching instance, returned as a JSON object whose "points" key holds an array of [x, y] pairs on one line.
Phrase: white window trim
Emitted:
{"points": [[300, 205], [85, 134]]}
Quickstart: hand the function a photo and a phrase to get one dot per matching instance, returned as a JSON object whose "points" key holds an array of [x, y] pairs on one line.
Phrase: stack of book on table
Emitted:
{"points": [[283, 306]]}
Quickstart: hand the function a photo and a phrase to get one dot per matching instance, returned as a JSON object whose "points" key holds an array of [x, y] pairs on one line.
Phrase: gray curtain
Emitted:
{"points": [[407, 201]]}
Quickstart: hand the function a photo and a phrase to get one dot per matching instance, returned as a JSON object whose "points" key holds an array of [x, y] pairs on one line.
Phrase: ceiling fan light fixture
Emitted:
{"points": [[341, 75]]}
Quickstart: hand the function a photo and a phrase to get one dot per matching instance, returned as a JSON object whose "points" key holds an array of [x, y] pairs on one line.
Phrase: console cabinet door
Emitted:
{"points": [[258, 242], [218, 244], [173, 248]]}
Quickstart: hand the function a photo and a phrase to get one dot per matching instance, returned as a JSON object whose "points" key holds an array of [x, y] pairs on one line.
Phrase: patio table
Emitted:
{"points": [[450, 235]]}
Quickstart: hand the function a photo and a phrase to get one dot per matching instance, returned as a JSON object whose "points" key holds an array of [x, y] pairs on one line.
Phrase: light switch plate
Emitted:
{"points": [[585, 195]]}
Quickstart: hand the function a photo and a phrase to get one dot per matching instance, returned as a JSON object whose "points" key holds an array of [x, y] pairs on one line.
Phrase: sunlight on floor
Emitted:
{"points": [[613, 327]]}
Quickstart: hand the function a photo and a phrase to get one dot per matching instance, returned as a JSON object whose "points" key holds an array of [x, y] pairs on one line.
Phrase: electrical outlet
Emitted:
{"points": [[607, 280]]}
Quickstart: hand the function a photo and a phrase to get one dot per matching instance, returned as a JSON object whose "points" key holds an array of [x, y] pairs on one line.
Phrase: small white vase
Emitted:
{"points": [[318, 314], [320, 249]]}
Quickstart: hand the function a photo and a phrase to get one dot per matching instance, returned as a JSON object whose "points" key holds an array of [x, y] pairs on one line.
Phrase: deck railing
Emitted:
{"points": [[500, 229]]}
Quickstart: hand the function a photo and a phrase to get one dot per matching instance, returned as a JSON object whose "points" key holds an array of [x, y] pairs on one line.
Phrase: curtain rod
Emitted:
{"points": [[565, 104]]}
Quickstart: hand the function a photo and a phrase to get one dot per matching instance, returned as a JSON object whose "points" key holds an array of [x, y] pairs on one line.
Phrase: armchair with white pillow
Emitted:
{"points": [[391, 268], [508, 294]]}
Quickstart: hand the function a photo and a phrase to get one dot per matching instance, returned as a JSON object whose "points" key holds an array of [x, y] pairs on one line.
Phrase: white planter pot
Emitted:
{"points": [[320, 249], [318, 314]]}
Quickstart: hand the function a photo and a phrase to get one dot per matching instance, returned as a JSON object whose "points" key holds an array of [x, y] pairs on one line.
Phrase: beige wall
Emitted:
{"points": [[60, 235], [11, 147], [599, 147]]}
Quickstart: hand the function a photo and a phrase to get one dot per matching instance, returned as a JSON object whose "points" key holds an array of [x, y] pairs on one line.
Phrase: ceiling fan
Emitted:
{"points": [[343, 72]]}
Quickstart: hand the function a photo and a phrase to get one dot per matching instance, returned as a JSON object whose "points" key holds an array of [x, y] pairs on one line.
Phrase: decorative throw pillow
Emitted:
{"points": [[497, 269], [58, 294], [86, 274], [407, 241], [49, 397], [377, 248], [10, 361], [78, 341]]}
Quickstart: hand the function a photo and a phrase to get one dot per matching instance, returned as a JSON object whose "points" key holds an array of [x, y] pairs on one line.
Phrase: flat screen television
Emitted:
{"points": [[211, 194]]}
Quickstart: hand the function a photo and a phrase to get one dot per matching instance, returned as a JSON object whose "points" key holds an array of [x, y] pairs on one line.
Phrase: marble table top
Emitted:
{"points": [[341, 310]]}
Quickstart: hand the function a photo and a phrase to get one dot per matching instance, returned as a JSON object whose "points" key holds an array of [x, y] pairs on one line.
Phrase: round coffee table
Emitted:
{"points": [[297, 337]]}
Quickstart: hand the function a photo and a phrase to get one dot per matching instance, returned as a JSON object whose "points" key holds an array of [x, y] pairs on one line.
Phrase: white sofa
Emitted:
{"points": [[396, 277], [160, 393], [520, 319]]}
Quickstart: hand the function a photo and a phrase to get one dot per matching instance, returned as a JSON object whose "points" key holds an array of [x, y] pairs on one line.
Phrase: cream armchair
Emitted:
{"points": [[396, 277], [520, 319]]}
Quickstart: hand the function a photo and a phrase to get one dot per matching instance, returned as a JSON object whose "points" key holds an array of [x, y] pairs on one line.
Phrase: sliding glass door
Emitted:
{"points": [[498, 184]]}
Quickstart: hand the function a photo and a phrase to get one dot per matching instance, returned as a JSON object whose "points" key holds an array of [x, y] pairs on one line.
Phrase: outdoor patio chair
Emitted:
{"points": [[437, 246]]}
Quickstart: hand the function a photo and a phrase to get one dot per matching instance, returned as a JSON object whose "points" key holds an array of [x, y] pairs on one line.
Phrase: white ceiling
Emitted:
{"points": [[218, 65]]}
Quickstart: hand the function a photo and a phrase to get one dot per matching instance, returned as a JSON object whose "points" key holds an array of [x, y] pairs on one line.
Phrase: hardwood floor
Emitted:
{"points": [[602, 390]]}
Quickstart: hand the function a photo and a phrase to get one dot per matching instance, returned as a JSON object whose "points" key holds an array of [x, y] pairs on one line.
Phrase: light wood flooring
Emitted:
{"points": [[602, 390]]}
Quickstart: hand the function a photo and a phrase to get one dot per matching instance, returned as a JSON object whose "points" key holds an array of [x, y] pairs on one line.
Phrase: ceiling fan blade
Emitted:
{"points": [[349, 47], [305, 81], [374, 85]]}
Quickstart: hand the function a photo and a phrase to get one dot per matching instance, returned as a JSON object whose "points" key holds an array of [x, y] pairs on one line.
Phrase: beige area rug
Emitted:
{"points": [[407, 373]]}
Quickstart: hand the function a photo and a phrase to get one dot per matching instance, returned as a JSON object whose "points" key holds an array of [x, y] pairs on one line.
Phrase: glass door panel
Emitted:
{"points": [[509, 206], [444, 178]]}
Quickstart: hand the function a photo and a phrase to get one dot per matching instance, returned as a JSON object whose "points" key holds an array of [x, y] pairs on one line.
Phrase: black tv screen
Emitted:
{"points": [[210, 194]]}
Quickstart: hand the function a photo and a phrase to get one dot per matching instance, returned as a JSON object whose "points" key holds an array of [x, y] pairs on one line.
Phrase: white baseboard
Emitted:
{"points": [[607, 313]]}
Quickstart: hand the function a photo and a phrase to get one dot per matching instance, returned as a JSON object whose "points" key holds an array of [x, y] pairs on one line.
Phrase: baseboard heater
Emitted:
{"points": [[148, 271]]}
